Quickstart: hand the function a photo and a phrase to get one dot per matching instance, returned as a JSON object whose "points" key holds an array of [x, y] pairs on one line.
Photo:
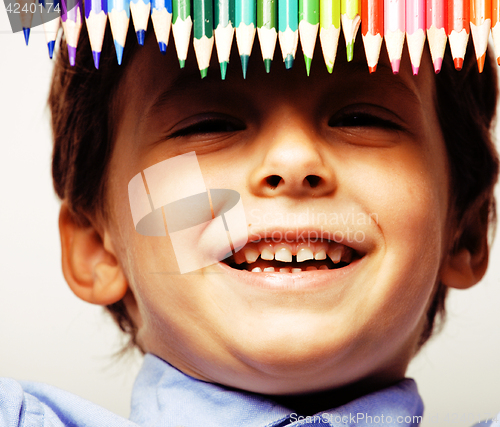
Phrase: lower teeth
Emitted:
{"points": [[287, 269]]}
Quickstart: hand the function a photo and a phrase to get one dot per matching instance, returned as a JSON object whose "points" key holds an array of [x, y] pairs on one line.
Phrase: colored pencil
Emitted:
{"points": [[224, 32], [181, 28], [203, 25], [267, 14], [245, 22], [161, 15], [119, 18], [495, 27], [394, 31], [140, 11], [71, 18], [26, 10], [96, 16], [372, 29], [51, 23], [288, 27], [436, 31], [458, 29], [350, 13], [308, 29], [480, 23], [329, 30], [415, 31]]}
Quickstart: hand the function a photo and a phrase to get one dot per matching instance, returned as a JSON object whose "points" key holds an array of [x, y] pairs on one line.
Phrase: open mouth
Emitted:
{"points": [[292, 257]]}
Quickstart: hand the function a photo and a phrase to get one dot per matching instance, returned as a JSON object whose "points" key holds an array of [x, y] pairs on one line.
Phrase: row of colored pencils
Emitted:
{"points": [[217, 21]]}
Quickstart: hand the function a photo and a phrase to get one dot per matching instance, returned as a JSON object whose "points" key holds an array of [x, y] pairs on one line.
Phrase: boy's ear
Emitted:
{"points": [[466, 263], [89, 262]]}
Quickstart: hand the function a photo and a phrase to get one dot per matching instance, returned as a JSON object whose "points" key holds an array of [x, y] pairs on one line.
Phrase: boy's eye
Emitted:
{"points": [[362, 120], [365, 117], [208, 125]]}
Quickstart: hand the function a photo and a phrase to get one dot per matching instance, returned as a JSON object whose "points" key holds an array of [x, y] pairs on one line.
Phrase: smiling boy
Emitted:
{"points": [[289, 327]]}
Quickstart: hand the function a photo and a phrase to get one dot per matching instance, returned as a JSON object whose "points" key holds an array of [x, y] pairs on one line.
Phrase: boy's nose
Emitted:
{"points": [[292, 165]]}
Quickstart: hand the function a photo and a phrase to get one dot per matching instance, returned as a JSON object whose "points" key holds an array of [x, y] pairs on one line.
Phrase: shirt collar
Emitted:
{"points": [[164, 396]]}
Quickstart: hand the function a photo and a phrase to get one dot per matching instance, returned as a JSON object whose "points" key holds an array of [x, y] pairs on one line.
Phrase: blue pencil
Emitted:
{"points": [[161, 15], [50, 23], [119, 17], [96, 15], [140, 10]]}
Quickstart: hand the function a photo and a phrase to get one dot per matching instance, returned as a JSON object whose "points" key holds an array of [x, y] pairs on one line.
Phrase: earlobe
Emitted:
{"points": [[462, 270], [89, 262]]}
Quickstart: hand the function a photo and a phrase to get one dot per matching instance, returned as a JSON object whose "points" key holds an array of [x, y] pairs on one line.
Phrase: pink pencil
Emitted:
{"points": [[436, 31], [415, 31], [394, 31]]}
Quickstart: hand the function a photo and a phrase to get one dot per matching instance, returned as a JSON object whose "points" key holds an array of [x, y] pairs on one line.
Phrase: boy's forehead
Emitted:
{"points": [[153, 81]]}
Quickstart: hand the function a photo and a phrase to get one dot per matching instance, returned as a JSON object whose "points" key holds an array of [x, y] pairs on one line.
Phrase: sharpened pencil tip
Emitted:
{"points": [[163, 48], [498, 60], [97, 57], [141, 35], [308, 64], [26, 32], [329, 67], [72, 55], [414, 69], [372, 69], [289, 61], [267, 64], [480, 62], [459, 63], [244, 64], [395, 66], [223, 69], [51, 45], [438, 63], [350, 51], [182, 63], [204, 73], [119, 52]]}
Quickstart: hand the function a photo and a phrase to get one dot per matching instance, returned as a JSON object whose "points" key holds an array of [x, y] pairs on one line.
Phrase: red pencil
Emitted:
{"points": [[458, 29], [372, 28]]}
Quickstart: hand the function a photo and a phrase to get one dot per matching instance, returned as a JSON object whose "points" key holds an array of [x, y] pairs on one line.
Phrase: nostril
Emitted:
{"points": [[313, 180], [273, 181]]}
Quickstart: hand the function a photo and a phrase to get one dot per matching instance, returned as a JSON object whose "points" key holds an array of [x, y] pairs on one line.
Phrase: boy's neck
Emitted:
{"points": [[314, 403]]}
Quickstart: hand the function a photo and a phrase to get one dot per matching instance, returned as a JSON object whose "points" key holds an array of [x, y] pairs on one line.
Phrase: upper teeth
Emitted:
{"points": [[284, 251]]}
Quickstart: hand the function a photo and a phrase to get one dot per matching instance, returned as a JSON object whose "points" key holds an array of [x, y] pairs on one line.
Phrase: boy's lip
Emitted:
{"points": [[303, 280], [358, 240], [306, 280]]}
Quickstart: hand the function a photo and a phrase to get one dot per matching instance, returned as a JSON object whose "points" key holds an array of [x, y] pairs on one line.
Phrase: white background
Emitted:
{"points": [[48, 335]]}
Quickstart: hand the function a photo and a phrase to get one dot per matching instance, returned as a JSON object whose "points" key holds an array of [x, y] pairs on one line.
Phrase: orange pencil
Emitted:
{"points": [[372, 29], [458, 29], [495, 27], [480, 23]]}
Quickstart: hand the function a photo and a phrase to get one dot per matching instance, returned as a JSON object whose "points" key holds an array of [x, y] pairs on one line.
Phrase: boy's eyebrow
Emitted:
{"points": [[384, 75], [183, 82]]}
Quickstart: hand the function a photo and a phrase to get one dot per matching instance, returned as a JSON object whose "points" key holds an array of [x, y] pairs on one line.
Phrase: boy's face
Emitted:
{"points": [[353, 157]]}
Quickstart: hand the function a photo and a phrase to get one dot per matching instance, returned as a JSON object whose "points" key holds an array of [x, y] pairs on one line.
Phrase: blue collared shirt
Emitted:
{"points": [[165, 397]]}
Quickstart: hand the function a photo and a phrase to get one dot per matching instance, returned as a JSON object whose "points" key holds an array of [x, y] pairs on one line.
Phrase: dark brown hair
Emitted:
{"points": [[82, 111]]}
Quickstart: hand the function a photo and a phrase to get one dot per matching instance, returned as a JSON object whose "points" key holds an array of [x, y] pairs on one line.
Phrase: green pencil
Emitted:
{"points": [[288, 13], [266, 29], [351, 11], [203, 33], [329, 31], [308, 28], [224, 32], [245, 23], [181, 28]]}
